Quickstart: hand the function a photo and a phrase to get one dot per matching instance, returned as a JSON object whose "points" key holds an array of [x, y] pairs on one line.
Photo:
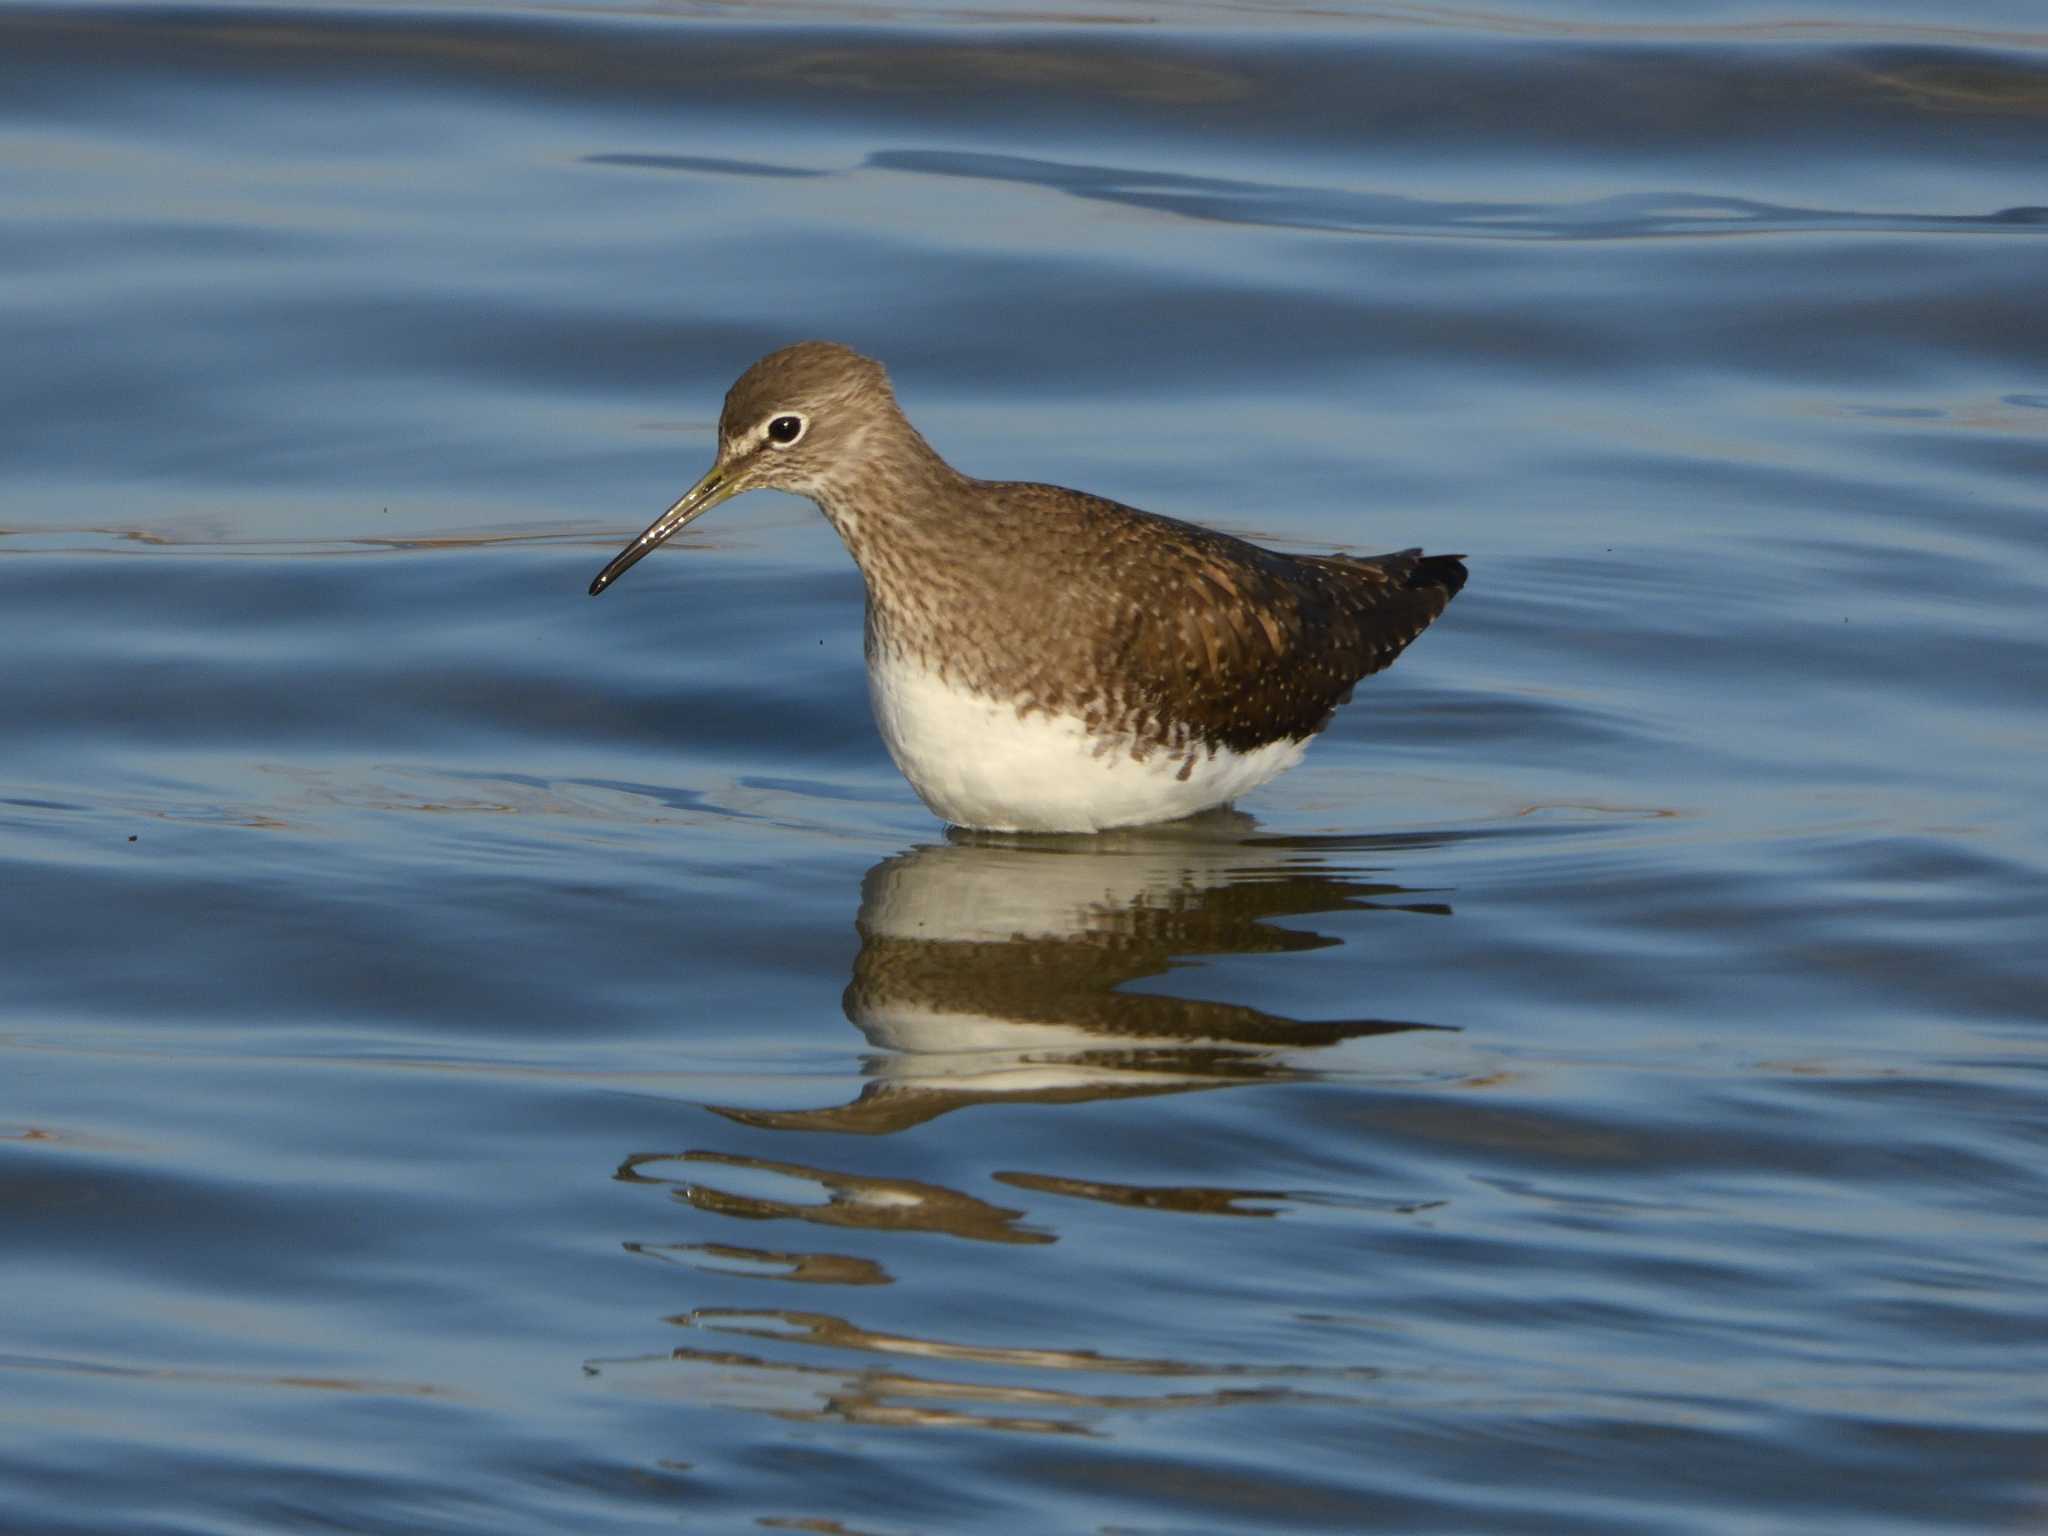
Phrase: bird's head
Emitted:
{"points": [[795, 422]]}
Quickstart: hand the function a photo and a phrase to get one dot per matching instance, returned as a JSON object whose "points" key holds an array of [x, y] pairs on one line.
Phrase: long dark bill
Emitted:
{"points": [[693, 504]]}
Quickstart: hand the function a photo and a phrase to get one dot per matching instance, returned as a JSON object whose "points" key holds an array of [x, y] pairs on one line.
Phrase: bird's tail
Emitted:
{"points": [[1446, 571]]}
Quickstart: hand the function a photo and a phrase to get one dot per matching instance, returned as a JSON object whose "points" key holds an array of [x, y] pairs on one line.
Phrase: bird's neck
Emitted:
{"points": [[893, 500]]}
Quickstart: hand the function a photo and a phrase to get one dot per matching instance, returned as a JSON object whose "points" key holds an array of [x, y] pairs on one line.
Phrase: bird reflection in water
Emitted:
{"points": [[995, 969]]}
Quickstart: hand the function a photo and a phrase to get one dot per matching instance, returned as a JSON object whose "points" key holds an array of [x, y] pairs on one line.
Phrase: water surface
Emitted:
{"points": [[473, 1059]]}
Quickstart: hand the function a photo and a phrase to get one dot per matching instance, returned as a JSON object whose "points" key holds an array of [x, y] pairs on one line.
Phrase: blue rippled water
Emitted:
{"points": [[473, 1059]]}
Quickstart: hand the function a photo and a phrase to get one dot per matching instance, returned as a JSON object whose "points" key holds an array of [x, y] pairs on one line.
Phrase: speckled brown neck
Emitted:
{"points": [[898, 506]]}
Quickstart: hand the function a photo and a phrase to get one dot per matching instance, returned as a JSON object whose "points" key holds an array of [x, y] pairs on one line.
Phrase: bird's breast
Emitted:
{"points": [[1010, 761]]}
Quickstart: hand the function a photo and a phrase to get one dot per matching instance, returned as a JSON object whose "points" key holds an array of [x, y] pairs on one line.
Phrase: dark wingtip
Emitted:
{"points": [[1446, 571], [599, 584]]}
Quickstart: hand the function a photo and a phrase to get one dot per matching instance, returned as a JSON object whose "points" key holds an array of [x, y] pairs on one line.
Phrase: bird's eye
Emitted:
{"points": [[784, 430]]}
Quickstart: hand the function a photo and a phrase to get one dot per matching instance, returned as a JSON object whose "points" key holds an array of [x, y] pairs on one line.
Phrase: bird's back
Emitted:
{"points": [[1173, 634]]}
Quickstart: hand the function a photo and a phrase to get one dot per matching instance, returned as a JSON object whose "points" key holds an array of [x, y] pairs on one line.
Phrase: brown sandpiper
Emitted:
{"points": [[1044, 660]]}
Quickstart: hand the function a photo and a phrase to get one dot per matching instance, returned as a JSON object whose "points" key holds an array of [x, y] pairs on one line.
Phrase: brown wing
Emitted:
{"points": [[1311, 631], [1238, 645]]}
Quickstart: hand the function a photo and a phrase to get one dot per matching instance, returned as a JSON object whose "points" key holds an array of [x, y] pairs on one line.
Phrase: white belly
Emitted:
{"points": [[976, 763]]}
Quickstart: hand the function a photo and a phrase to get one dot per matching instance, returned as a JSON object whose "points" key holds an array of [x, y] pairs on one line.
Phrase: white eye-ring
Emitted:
{"points": [[784, 428]]}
